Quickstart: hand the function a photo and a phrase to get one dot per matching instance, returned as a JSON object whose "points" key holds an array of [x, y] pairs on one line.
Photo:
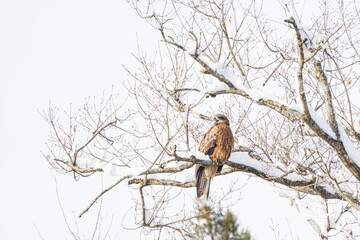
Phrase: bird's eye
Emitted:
{"points": [[221, 118]]}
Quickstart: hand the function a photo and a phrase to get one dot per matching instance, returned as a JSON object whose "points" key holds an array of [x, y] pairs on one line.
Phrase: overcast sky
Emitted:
{"points": [[61, 51], [65, 51]]}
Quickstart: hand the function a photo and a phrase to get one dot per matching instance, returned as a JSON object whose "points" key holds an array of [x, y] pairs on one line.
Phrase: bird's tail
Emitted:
{"points": [[202, 183]]}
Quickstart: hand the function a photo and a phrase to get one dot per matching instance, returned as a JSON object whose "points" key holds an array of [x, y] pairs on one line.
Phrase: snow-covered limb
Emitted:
{"points": [[163, 182], [328, 98], [300, 43], [261, 99], [243, 162]]}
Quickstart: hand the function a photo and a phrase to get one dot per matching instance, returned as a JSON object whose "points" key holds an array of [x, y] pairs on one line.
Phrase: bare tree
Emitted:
{"points": [[291, 93]]}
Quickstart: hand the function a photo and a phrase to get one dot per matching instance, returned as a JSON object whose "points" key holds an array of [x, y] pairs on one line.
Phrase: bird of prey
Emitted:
{"points": [[218, 143]]}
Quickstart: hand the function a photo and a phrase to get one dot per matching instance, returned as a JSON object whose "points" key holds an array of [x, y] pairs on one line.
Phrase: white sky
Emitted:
{"points": [[61, 51], [64, 51]]}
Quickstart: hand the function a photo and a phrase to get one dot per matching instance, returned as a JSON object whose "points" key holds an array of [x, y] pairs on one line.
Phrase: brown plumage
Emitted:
{"points": [[218, 143]]}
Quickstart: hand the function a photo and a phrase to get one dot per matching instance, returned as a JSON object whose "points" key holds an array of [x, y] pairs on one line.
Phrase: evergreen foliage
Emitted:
{"points": [[216, 225]]}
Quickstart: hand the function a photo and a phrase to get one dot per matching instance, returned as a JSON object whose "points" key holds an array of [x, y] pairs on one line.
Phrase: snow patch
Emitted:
{"points": [[112, 170], [244, 159], [297, 107], [196, 154], [321, 123], [296, 177], [188, 175], [196, 49], [215, 87], [83, 163], [313, 40], [236, 80]]}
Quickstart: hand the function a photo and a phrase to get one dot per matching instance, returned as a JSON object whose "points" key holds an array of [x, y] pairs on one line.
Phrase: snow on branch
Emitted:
{"points": [[250, 163]]}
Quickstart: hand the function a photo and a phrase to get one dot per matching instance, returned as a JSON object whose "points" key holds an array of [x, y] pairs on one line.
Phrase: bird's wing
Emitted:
{"points": [[224, 143], [208, 143]]}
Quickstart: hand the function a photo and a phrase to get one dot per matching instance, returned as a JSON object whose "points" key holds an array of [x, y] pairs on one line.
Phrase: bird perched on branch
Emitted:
{"points": [[218, 143]]}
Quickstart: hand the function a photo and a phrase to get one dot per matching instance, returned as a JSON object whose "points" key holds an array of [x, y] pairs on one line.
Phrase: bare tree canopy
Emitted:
{"points": [[290, 89]]}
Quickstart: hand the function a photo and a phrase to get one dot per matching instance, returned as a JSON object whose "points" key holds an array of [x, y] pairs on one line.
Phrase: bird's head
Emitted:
{"points": [[221, 118]]}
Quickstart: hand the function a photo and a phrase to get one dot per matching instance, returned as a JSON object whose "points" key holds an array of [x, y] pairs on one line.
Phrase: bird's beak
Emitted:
{"points": [[216, 120]]}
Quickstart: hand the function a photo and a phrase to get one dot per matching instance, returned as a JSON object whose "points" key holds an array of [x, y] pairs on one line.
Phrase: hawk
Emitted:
{"points": [[218, 143]]}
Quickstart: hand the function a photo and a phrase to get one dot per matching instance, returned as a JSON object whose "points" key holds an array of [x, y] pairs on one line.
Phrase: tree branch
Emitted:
{"points": [[301, 63], [328, 99], [101, 194]]}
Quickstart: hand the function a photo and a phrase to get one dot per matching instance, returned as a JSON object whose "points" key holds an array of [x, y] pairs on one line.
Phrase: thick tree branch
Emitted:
{"points": [[304, 186], [328, 99], [163, 182]]}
